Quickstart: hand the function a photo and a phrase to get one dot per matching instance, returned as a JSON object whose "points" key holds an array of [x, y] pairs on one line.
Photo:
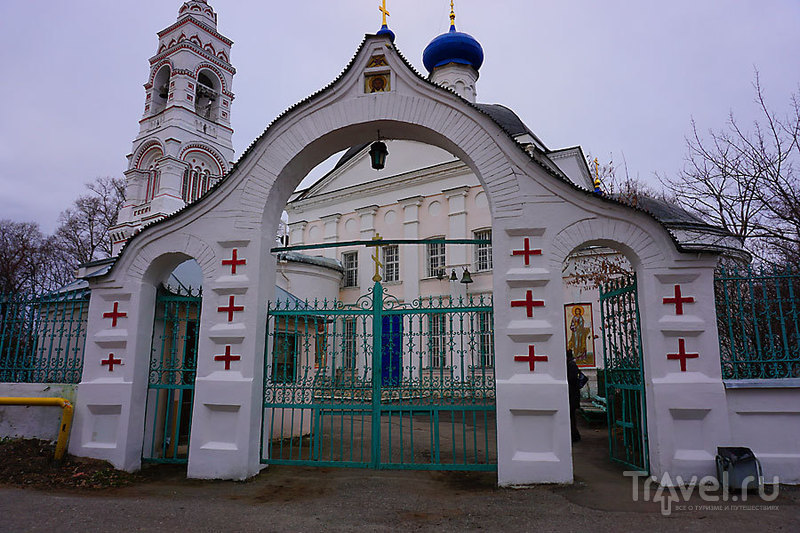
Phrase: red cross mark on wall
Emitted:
{"points": [[526, 252], [234, 261], [531, 358], [230, 309], [227, 357], [114, 315], [682, 355], [679, 300], [111, 362], [529, 303]]}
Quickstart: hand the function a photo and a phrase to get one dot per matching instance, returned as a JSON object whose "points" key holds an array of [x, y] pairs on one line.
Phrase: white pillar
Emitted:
{"points": [[410, 273], [331, 234], [366, 267], [297, 232], [458, 256]]}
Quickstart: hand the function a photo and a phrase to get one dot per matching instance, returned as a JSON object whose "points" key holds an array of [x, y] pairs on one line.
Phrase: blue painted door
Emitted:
{"points": [[391, 350]]}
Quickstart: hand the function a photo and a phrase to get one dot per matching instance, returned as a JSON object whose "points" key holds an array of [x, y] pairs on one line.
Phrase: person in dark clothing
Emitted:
{"points": [[574, 394]]}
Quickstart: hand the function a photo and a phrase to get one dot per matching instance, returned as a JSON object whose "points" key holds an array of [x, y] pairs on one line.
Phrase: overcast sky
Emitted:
{"points": [[615, 76]]}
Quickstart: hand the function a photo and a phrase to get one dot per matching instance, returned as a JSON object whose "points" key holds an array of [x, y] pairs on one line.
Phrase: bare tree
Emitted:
{"points": [[83, 230], [746, 181], [29, 261]]}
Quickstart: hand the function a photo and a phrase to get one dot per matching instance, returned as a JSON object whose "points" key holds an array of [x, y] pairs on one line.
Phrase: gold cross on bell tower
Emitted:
{"points": [[452, 14], [382, 9]]}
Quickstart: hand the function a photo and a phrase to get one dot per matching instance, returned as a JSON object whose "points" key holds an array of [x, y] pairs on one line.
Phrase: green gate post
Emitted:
{"points": [[377, 340]]}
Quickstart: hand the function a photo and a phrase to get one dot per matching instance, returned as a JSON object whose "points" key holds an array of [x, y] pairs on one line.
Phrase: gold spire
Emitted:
{"points": [[452, 14], [382, 9]]}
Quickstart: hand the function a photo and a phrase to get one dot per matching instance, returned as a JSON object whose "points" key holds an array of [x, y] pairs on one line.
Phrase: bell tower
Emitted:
{"points": [[184, 145]]}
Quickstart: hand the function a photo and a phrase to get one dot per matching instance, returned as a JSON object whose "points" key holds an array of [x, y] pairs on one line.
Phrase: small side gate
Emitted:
{"points": [[381, 384], [173, 367], [624, 376]]}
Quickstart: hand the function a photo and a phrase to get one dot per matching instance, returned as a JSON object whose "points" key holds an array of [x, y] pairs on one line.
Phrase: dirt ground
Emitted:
{"points": [[90, 496]]}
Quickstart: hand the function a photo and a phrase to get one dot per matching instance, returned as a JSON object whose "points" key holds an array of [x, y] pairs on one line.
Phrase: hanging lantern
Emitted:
{"points": [[377, 154], [466, 277]]}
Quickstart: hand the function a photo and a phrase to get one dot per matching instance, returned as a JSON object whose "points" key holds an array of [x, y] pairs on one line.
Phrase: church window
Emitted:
{"points": [[435, 257], [350, 263], [391, 263], [486, 339], [483, 252], [284, 357], [349, 344], [437, 341]]}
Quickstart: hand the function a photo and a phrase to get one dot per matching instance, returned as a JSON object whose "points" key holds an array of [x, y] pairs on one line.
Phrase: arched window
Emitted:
{"points": [[207, 95], [150, 162], [202, 174]]}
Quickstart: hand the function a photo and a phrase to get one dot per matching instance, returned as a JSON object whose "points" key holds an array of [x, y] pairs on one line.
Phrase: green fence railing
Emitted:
{"points": [[758, 316], [42, 337]]}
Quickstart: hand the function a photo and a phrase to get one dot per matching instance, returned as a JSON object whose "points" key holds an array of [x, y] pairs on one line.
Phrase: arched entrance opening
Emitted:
{"points": [[172, 366], [603, 334], [393, 367]]}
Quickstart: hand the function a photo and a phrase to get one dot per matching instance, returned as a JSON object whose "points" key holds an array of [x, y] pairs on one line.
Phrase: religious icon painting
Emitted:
{"points": [[580, 333], [377, 83]]}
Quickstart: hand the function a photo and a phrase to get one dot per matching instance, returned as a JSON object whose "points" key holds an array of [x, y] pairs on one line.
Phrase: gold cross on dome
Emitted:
{"points": [[452, 14], [385, 13], [377, 277]]}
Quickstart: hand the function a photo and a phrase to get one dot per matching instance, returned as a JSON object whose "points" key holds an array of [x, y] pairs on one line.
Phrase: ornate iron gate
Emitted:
{"points": [[624, 376], [173, 367], [381, 384]]}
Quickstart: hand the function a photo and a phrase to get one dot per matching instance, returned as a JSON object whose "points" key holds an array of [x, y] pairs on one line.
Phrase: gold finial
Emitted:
{"points": [[377, 277], [597, 183], [382, 9], [452, 14]]}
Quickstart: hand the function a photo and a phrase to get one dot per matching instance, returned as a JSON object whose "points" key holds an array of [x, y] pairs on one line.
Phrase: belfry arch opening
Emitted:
{"points": [[161, 89], [207, 95]]}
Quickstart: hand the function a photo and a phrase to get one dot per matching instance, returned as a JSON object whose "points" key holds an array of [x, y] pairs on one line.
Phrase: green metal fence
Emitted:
{"points": [[173, 367], [42, 337], [758, 315], [381, 384], [624, 376]]}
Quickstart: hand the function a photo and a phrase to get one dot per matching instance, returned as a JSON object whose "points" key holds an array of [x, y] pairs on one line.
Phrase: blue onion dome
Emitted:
{"points": [[386, 31], [453, 47]]}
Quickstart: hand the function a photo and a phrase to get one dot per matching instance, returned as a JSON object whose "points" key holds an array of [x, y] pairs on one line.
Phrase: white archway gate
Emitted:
{"points": [[231, 229]]}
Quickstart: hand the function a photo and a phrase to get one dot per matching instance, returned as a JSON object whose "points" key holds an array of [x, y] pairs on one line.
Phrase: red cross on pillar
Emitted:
{"points": [[114, 315], [678, 300], [227, 357], [230, 309], [234, 261], [527, 252], [531, 358], [682, 355], [111, 362], [529, 303]]}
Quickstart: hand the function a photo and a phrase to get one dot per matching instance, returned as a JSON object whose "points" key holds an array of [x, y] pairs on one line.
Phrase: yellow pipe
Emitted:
{"points": [[66, 417]]}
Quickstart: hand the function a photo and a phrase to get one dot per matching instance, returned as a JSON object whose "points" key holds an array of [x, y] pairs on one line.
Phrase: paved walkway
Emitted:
{"points": [[308, 499]]}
